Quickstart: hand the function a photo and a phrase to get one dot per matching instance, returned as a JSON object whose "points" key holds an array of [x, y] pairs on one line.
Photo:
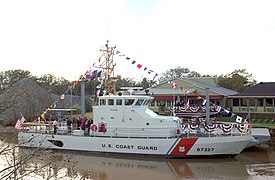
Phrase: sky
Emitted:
{"points": [[64, 37]]}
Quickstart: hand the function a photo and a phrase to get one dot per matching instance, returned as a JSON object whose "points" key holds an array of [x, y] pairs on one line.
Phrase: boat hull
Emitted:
{"points": [[227, 146]]}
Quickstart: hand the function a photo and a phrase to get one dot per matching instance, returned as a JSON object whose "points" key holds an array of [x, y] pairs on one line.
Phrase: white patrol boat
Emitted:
{"points": [[124, 124]]}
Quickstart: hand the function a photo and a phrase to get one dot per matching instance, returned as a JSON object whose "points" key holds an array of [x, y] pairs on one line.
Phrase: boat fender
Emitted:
{"points": [[102, 128], [93, 127]]}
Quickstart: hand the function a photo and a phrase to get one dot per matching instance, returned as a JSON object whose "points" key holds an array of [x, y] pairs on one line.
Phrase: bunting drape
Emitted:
{"points": [[218, 108]]}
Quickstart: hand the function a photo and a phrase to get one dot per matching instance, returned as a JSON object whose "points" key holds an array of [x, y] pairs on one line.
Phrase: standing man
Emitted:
{"points": [[69, 125], [54, 126]]}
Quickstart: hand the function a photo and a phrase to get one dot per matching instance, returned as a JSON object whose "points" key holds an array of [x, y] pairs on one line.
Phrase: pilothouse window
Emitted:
{"points": [[110, 102], [129, 102], [102, 102], [139, 102], [148, 101], [119, 102]]}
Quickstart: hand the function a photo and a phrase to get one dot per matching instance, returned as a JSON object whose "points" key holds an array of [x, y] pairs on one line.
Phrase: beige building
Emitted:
{"points": [[166, 96], [258, 100]]}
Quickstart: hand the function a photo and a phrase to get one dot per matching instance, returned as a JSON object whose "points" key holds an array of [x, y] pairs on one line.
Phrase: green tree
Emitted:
{"points": [[238, 80], [10, 77], [52, 84], [180, 72], [125, 82], [146, 83]]}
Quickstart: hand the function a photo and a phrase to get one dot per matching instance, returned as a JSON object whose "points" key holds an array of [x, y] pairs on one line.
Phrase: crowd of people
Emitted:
{"points": [[73, 123]]}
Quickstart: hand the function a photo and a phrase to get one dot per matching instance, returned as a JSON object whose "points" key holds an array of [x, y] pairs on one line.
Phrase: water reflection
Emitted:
{"points": [[94, 166], [259, 161], [254, 163]]}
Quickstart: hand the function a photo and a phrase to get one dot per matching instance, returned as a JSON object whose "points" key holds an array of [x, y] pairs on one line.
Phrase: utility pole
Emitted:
{"points": [[207, 105], [83, 111]]}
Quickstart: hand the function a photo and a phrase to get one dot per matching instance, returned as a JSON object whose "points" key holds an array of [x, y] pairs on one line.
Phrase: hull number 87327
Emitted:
{"points": [[205, 149]]}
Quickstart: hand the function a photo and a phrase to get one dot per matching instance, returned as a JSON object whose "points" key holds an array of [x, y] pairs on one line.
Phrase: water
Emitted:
{"points": [[254, 163]]}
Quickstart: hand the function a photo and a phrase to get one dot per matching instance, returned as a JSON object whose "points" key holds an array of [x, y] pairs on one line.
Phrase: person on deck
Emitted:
{"points": [[78, 123], [54, 126], [87, 127], [83, 123], [69, 125]]}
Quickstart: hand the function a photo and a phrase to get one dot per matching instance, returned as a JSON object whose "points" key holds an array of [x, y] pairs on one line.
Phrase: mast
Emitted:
{"points": [[108, 68]]}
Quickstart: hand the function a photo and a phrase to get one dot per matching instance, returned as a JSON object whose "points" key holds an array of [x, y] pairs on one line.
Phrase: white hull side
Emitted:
{"points": [[168, 147]]}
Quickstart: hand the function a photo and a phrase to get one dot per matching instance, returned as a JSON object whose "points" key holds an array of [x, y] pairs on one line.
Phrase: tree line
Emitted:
{"points": [[238, 80]]}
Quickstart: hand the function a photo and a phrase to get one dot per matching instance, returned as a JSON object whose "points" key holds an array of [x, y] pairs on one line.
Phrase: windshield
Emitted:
{"points": [[139, 102]]}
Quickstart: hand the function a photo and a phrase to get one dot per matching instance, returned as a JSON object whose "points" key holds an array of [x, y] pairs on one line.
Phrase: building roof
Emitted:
{"points": [[213, 86], [205, 80], [192, 85], [261, 89]]}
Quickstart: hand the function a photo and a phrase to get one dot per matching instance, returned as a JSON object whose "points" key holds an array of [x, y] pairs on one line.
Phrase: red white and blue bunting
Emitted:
{"points": [[222, 127], [213, 107]]}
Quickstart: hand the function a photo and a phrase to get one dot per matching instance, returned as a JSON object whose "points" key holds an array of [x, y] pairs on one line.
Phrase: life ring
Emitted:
{"points": [[93, 127]]}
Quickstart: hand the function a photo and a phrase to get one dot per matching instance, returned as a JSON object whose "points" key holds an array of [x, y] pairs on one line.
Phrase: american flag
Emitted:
{"points": [[20, 121], [174, 85]]}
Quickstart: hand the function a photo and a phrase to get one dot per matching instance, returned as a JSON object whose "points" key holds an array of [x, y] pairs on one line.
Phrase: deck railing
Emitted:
{"points": [[218, 129]]}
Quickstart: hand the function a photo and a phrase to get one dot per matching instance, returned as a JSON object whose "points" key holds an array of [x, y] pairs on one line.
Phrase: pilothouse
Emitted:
{"points": [[129, 116]]}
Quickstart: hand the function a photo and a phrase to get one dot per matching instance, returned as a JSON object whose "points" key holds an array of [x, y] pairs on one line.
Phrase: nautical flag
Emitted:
{"points": [[204, 102], [62, 96], [43, 115], [88, 75], [117, 52], [67, 92], [99, 74], [20, 121], [155, 76], [174, 85], [226, 111], [218, 108], [186, 92], [239, 119], [139, 66], [97, 92], [100, 58], [100, 79], [98, 86], [94, 74], [170, 81], [128, 58], [149, 72]]}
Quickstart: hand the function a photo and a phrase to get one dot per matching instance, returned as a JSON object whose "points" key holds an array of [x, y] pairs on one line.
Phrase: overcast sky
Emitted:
{"points": [[63, 37]]}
